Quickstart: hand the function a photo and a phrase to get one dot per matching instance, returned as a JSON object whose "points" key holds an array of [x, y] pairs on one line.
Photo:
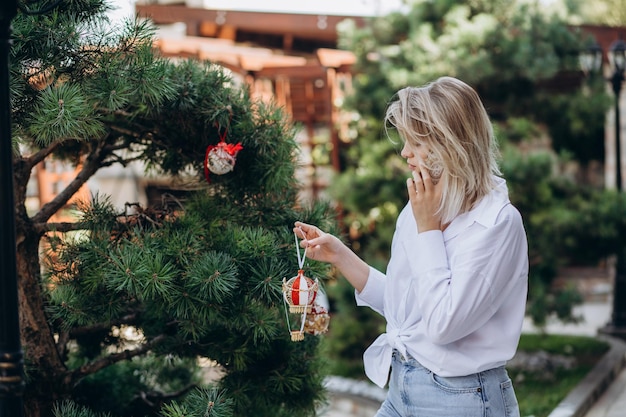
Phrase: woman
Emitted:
{"points": [[454, 292]]}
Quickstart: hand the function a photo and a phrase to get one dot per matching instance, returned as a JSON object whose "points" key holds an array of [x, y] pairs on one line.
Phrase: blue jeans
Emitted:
{"points": [[414, 391]]}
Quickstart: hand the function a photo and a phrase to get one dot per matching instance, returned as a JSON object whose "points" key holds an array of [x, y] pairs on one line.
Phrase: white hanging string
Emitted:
{"points": [[300, 259], [300, 266]]}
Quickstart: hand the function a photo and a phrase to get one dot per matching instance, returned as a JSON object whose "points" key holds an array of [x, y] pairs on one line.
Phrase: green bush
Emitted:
{"points": [[539, 394]]}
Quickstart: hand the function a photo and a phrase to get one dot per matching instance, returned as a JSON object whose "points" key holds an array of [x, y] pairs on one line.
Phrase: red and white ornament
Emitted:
{"points": [[299, 295], [220, 159]]}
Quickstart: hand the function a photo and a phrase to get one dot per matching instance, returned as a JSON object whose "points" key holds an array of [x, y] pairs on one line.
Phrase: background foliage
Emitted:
{"points": [[522, 58]]}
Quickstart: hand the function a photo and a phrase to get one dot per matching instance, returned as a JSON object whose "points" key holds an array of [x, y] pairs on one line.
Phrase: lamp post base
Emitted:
{"points": [[614, 331], [617, 326]]}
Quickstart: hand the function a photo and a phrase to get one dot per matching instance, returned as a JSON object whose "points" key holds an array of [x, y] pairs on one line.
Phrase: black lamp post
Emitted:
{"points": [[617, 326], [591, 61], [11, 363], [617, 58]]}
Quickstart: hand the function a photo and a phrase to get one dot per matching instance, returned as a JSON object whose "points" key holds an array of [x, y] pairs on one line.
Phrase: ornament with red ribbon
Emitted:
{"points": [[220, 159]]}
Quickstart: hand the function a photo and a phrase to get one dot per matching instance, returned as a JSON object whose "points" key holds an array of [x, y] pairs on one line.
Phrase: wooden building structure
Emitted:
{"points": [[290, 59]]}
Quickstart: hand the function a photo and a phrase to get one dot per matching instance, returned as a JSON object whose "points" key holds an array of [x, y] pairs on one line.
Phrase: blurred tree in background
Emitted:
{"points": [[602, 12], [522, 58], [126, 303]]}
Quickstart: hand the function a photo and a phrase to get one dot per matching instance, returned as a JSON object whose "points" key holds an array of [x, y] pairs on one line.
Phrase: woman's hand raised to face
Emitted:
{"points": [[425, 198]]}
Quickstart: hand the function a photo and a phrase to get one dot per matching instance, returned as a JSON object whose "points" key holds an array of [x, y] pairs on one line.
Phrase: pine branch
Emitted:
{"points": [[153, 398], [140, 135], [125, 132], [123, 113], [40, 155], [95, 328], [61, 227], [115, 158], [23, 167], [89, 368], [66, 336], [62, 345], [90, 167]]}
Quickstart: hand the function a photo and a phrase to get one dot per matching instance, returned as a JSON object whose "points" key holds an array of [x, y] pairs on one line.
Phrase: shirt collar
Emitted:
{"points": [[485, 212]]}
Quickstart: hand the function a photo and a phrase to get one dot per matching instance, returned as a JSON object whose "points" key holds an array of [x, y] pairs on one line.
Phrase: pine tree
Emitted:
{"points": [[198, 277]]}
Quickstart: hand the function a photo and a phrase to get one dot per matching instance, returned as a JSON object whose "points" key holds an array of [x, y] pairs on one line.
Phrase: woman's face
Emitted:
{"points": [[414, 154]]}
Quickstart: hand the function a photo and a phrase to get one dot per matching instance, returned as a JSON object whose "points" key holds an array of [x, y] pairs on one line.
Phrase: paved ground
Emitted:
{"points": [[613, 402]]}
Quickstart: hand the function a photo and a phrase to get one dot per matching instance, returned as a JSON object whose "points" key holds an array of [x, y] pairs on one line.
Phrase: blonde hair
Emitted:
{"points": [[448, 117]]}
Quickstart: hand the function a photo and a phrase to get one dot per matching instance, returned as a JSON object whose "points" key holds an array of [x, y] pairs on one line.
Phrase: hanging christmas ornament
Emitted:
{"points": [[317, 321], [220, 159], [299, 295], [300, 292]]}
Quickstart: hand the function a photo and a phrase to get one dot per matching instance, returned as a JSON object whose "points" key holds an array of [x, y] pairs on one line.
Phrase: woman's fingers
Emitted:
{"points": [[410, 187], [317, 242], [306, 232], [425, 175], [302, 229], [425, 198], [422, 181], [416, 186], [417, 181]]}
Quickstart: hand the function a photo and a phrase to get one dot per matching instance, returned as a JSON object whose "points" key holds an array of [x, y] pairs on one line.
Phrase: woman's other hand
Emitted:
{"points": [[425, 197], [321, 246]]}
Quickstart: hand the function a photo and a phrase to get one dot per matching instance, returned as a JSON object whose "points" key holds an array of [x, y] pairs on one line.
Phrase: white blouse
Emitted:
{"points": [[454, 300]]}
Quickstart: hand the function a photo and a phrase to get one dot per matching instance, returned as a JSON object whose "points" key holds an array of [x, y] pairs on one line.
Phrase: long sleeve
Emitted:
{"points": [[373, 293]]}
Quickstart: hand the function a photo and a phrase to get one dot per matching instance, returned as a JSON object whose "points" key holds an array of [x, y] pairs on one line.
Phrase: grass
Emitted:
{"points": [[539, 393]]}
